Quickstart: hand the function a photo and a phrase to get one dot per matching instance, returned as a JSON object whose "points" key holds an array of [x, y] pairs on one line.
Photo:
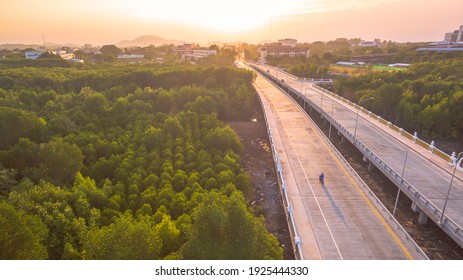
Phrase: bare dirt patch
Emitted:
{"points": [[265, 196]]}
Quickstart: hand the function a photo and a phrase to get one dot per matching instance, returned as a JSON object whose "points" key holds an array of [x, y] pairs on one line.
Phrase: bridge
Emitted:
{"points": [[341, 219], [431, 179]]}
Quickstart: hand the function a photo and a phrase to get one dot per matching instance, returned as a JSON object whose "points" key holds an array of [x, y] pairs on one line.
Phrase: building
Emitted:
{"points": [[131, 56], [365, 44], [33, 54], [199, 53], [449, 46], [182, 49], [286, 51], [287, 42], [453, 41], [186, 52], [284, 47], [399, 65], [455, 36], [60, 52], [64, 54]]}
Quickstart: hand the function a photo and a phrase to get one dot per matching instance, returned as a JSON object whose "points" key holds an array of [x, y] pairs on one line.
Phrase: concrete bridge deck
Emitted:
{"points": [[338, 220], [426, 176]]}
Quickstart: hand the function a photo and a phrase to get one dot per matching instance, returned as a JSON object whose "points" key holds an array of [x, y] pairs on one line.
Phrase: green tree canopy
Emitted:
{"points": [[21, 235], [224, 229]]}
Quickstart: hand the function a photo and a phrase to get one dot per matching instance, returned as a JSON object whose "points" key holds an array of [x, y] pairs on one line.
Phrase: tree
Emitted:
{"points": [[110, 50], [48, 55], [59, 161], [223, 139], [19, 123], [7, 180], [223, 228], [125, 239], [173, 127], [21, 235]]}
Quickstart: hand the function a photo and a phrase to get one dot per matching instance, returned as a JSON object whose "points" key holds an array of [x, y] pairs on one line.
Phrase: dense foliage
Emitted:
{"points": [[427, 98], [126, 163]]}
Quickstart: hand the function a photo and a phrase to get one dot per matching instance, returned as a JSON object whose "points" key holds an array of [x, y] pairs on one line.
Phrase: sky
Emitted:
{"points": [[102, 22]]}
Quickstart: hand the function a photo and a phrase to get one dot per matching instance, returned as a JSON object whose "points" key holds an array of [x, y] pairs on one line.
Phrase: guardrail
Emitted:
{"points": [[403, 234], [296, 240], [451, 159], [431, 210]]}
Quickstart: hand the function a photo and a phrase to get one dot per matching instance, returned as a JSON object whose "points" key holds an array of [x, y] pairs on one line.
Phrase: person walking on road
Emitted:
{"points": [[321, 177]]}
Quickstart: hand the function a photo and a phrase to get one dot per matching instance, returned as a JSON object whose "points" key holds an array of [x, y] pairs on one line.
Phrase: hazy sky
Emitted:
{"points": [[109, 21]]}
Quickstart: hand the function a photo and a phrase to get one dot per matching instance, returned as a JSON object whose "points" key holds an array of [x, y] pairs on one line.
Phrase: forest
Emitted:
{"points": [[426, 98], [126, 162]]}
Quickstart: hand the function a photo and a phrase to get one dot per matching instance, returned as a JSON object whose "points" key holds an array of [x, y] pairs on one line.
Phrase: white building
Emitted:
{"points": [[284, 47], [400, 65], [277, 51], [186, 51], [131, 56], [201, 53], [345, 63], [64, 55], [455, 36], [33, 54], [368, 44]]}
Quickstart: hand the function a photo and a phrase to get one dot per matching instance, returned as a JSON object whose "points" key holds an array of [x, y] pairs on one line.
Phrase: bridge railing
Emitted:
{"points": [[391, 220], [403, 234], [423, 203], [296, 240], [429, 146]]}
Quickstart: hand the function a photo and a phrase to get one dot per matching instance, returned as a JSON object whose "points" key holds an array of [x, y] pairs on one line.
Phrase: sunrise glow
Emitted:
{"points": [[110, 21], [227, 16]]}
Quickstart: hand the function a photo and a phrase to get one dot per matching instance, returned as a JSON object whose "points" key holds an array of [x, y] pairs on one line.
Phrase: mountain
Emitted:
{"points": [[147, 40], [49, 46]]}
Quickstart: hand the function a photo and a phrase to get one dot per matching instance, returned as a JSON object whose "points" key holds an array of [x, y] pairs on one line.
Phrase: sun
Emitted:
{"points": [[226, 16]]}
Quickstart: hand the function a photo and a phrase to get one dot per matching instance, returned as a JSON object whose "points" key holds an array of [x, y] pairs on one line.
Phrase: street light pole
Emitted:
{"points": [[321, 105], [450, 186], [332, 111], [303, 79], [401, 182], [357, 116]]}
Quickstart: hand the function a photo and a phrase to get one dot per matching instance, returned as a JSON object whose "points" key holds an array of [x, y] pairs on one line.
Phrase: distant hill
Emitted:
{"points": [[146, 41], [49, 46], [19, 46]]}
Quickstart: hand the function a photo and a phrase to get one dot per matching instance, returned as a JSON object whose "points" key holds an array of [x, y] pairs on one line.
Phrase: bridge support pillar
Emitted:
{"points": [[342, 139], [370, 166], [415, 208], [422, 218], [365, 159]]}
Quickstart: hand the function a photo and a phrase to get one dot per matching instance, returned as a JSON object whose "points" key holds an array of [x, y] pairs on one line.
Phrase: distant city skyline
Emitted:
{"points": [[202, 21]]}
